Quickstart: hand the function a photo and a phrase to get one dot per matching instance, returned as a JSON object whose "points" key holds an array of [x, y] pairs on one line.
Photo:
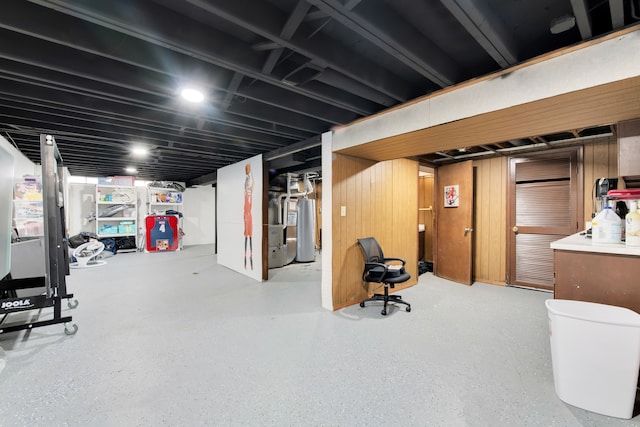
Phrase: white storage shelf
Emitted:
{"points": [[161, 199], [122, 223]]}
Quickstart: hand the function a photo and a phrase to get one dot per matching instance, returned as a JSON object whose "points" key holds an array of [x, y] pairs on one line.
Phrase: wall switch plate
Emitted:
{"points": [[343, 211]]}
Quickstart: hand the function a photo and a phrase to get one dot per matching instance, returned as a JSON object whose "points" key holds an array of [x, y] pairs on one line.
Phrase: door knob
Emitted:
{"points": [[467, 229], [515, 230]]}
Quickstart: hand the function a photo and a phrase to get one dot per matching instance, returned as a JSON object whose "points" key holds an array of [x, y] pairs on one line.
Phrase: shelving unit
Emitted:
{"points": [[163, 199], [28, 212], [163, 203], [116, 211]]}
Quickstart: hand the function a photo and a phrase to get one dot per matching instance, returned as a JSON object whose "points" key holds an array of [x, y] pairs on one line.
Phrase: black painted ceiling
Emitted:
{"points": [[104, 75]]}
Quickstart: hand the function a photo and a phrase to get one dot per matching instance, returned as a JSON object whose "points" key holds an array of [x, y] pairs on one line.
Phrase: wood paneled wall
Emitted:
{"points": [[600, 160], [490, 220], [380, 200]]}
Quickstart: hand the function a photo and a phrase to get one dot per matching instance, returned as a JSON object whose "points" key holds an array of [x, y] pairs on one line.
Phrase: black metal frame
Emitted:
{"points": [[56, 254]]}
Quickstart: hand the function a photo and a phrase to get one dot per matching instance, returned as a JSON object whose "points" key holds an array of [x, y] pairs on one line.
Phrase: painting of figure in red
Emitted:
{"points": [[248, 220]]}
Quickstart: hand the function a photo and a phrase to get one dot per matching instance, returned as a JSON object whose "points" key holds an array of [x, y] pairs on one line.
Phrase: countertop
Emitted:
{"points": [[581, 243]]}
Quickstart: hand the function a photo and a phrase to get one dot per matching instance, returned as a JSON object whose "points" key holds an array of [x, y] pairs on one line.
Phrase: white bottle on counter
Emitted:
{"points": [[606, 227], [633, 225]]}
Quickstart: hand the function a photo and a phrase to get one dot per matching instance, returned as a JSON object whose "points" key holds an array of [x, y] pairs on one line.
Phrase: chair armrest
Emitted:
{"points": [[395, 259], [369, 265]]}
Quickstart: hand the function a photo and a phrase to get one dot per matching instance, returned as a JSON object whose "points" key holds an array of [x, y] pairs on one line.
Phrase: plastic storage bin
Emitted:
{"points": [[126, 227], [595, 353]]}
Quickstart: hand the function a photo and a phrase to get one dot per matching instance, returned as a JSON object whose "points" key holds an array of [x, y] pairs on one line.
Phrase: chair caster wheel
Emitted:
{"points": [[408, 309], [383, 312], [362, 304]]}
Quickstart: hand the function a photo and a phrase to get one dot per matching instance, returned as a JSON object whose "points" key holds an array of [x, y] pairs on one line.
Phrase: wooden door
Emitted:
{"points": [[544, 198], [454, 222]]}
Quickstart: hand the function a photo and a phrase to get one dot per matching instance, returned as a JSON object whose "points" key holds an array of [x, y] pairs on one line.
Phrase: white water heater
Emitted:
{"points": [[305, 231]]}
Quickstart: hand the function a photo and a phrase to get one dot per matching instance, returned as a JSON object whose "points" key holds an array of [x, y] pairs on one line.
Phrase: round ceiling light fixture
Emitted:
{"points": [[130, 169], [192, 95], [562, 24]]}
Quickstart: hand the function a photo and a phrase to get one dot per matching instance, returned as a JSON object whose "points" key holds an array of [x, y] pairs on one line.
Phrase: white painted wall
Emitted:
{"points": [[199, 211], [22, 165], [6, 198], [82, 203], [327, 222]]}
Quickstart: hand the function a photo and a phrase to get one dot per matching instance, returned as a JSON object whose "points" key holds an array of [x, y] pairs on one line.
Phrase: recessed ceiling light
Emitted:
{"points": [[140, 151], [130, 170], [192, 95]]}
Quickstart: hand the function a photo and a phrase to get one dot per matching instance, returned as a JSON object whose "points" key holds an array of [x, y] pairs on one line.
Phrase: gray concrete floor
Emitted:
{"points": [[173, 339]]}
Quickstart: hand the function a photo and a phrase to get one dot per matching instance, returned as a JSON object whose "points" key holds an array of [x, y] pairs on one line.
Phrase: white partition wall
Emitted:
{"points": [[6, 198], [199, 209], [22, 166], [327, 221], [240, 217]]}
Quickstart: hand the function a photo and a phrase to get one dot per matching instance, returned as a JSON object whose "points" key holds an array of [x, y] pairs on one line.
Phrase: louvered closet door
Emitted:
{"points": [[544, 209]]}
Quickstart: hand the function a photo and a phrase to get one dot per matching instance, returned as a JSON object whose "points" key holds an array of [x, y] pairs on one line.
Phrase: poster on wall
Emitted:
{"points": [[239, 217], [451, 196]]}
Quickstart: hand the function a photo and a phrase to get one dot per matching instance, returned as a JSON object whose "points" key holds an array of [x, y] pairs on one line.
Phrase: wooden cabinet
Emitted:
{"points": [[598, 277]]}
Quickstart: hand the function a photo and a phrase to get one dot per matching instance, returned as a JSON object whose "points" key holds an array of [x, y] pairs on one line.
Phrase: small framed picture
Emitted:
{"points": [[451, 196]]}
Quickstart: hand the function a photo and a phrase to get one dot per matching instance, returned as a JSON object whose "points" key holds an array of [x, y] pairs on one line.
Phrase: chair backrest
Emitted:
{"points": [[371, 249]]}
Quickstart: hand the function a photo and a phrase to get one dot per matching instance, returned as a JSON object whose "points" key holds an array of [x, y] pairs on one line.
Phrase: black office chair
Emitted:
{"points": [[378, 269]]}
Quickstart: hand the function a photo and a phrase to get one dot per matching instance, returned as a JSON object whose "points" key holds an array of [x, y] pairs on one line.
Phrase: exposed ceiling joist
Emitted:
{"points": [[368, 22], [616, 7], [486, 28], [583, 19]]}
